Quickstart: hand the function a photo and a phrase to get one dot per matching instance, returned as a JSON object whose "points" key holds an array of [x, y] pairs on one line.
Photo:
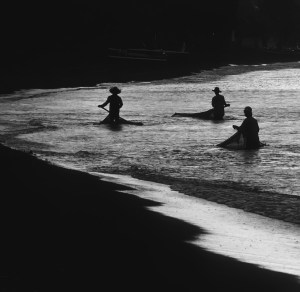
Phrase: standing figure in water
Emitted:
{"points": [[249, 129], [218, 103], [115, 103]]}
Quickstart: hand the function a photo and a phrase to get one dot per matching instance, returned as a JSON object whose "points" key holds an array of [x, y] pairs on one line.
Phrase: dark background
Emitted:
{"points": [[49, 38]]}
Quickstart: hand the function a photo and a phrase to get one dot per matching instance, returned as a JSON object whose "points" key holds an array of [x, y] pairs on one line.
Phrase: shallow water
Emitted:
{"points": [[58, 124]]}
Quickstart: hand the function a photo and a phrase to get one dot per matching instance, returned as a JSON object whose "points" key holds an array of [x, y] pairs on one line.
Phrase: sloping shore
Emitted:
{"points": [[250, 199], [89, 68], [65, 230]]}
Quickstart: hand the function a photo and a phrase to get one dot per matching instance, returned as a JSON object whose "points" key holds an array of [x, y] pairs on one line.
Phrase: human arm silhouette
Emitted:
{"points": [[105, 103]]}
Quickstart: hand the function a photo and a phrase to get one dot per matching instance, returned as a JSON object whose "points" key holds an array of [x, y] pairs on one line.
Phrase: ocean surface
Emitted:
{"points": [[59, 125]]}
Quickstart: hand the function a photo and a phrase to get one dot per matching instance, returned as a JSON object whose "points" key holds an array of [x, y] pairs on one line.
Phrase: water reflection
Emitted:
{"points": [[251, 157], [113, 127]]}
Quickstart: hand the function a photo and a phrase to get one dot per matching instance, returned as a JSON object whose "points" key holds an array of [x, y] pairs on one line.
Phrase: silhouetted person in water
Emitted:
{"points": [[115, 103], [249, 129], [218, 103]]}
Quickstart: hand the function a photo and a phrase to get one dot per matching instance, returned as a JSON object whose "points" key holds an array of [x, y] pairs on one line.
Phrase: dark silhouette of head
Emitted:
{"points": [[115, 90], [217, 90], [248, 111]]}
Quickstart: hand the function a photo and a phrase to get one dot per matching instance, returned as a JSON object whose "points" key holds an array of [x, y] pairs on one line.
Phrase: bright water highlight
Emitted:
{"points": [[58, 124]]}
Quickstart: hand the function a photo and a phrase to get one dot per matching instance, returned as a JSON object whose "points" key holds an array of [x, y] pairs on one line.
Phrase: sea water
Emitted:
{"points": [[59, 125]]}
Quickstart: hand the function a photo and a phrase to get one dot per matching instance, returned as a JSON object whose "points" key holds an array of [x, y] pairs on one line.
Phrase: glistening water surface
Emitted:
{"points": [[58, 124]]}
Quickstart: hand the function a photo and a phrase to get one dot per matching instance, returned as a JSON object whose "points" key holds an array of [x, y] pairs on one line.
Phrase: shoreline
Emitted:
{"points": [[278, 206], [229, 231], [51, 71], [68, 230], [269, 204]]}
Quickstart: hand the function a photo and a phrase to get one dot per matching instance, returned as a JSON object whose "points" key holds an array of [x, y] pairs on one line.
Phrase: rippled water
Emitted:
{"points": [[58, 124]]}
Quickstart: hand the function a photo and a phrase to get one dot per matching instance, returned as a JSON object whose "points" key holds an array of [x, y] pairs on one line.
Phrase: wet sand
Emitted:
{"points": [[248, 237], [250, 199], [65, 230]]}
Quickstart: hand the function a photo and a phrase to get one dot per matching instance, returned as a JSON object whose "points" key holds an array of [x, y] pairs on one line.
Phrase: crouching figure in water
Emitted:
{"points": [[249, 128], [115, 103]]}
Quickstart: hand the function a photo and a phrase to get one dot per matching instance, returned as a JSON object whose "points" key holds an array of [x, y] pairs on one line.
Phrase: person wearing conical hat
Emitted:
{"points": [[249, 128], [218, 103], [115, 103]]}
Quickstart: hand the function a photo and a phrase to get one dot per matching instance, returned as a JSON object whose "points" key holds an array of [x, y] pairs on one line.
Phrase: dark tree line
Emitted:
{"points": [[274, 23], [194, 25]]}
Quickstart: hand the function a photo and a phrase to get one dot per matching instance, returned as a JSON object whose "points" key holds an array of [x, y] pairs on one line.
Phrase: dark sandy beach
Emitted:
{"points": [[63, 230]]}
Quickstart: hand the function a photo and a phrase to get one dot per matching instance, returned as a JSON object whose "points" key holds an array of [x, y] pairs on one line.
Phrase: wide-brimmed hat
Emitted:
{"points": [[115, 90], [217, 89]]}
